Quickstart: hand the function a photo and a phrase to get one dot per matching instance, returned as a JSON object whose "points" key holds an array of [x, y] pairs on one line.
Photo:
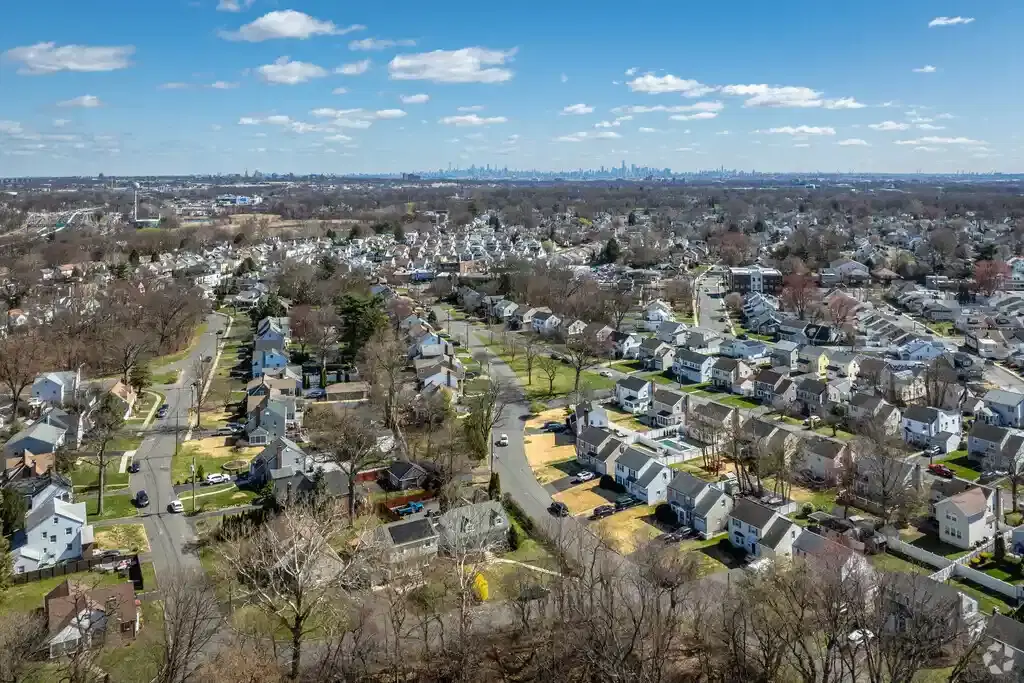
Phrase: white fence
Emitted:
{"points": [[957, 568]]}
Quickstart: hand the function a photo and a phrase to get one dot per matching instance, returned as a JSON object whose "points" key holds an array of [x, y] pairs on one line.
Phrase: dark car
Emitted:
{"points": [[559, 509], [142, 499], [134, 467], [623, 502], [162, 411], [602, 511]]}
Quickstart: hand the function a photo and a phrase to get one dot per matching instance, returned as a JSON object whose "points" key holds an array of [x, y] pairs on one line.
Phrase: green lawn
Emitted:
{"points": [[210, 462], [86, 476], [163, 378], [563, 383], [149, 400], [216, 497], [738, 402], [896, 563], [476, 386], [659, 377], [962, 468], [124, 442], [114, 506], [148, 576], [29, 596], [696, 388], [933, 544], [987, 602], [840, 434], [627, 366]]}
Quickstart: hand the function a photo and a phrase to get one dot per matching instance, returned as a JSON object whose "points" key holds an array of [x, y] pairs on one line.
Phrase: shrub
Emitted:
{"points": [[494, 487], [664, 514], [984, 556], [537, 407], [514, 537], [806, 509], [610, 484], [999, 548], [517, 513]]}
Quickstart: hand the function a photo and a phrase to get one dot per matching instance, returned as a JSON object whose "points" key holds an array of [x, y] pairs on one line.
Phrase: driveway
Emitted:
{"points": [[169, 533]]}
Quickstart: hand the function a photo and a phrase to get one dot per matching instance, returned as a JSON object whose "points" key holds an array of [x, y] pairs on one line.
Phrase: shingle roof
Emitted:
{"points": [[687, 484], [1007, 398], [651, 474], [595, 436], [633, 459], [691, 356], [410, 532], [921, 414], [633, 383], [609, 449], [709, 501], [668, 396], [776, 532], [1006, 630], [987, 432], [752, 513]]}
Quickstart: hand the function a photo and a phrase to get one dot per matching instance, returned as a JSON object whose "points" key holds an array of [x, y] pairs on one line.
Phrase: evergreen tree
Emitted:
{"points": [[611, 251], [494, 487], [495, 222], [361, 318], [399, 232], [140, 377], [12, 511], [631, 219], [133, 257]]}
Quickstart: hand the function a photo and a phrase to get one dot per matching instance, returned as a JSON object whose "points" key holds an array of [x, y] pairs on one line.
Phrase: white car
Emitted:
{"points": [[503, 440], [585, 475], [217, 478], [606, 373], [860, 636], [175, 506]]}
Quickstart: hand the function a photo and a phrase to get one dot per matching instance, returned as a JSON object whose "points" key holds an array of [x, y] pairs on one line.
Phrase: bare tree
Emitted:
{"points": [[384, 359], [531, 350], [21, 637], [799, 293], [107, 421], [127, 349], [617, 306], [324, 335], [349, 439], [21, 359], [487, 412], [291, 572], [890, 481], [549, 367], [582, 354], [192, 617]]}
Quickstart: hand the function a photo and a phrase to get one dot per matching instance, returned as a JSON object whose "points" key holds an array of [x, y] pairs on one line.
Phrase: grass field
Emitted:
{"points": [[627, 530], [126, 537], [895, 563], [138, 660], [86, 475], [738, 402], [563, 381], [627, 366], [210, 454], [217, 498], [164, 378], [961, 466], [659, 377], [29, 596], [115, 506]]}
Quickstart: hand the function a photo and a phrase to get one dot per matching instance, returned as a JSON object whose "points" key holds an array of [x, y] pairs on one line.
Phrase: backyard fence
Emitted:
{"points": [[958, 568], [76, 566]]}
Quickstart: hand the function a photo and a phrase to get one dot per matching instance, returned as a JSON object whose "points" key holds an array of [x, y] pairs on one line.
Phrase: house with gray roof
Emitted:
{"points": [[37, 439], [475, 527], [760, 530], [56, 388], [266, 424], [643, 477], [704, 506], [1004, 408], [280, 454], [997, 448], [56, 531], [408, 542], [633, 394]]}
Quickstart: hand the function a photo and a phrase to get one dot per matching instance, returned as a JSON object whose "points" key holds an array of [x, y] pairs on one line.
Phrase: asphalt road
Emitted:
{"points": [[708, 307], [170, 533]]}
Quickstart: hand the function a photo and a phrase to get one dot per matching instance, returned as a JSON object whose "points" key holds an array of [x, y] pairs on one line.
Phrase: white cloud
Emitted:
{"points": [[699, 116], [468, 65], [656, 85], [761, 95], [607, 124], [85, 102], [176, 85], [684, 149], [932, 140], [370, 44], [223, 85], [802, 144], [949, 21], [471, 108], [286, 72], [923, 148], [60, 123], [13, 127], [607, 135], [248, 121], [287, 24], [844, 103], [945, 116], [926, 69], [338, 138], [354, 69], [472, 120], [889, 125], [645, 129], [721, 132], [389, 114], [48, 58], [234, 5], [564, 78], [215, 126], [801, 130], [572, 137], [853, 142], [278, 119], [577, 110], [670, 109], [930, 126], [421, 98], [339, 91], [631, 71]]}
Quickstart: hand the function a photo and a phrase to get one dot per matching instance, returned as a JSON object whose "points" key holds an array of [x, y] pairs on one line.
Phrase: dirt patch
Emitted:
{"points": [[627, 530], [126, 537], [220, 447], [582, 499], [551, 415]]}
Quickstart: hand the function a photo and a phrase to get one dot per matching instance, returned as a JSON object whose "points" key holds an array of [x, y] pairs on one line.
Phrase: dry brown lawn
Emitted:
{"points": [[544, 450], [129, 537], [584, 498], [627, 530], [218, 447]]}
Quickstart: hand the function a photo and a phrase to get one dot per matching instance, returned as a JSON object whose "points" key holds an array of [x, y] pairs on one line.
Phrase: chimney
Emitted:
{"points": [[113, 615], [997, 507], [288, 496]]}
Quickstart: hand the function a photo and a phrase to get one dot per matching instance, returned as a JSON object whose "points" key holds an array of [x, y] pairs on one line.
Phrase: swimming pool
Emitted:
{"points": [[675, 445]]}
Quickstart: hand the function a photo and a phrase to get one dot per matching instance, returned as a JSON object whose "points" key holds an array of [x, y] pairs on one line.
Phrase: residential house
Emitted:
{"points": [[909, 593], [760, 530], [56, 388], [842, 365], [56, 531], [292, 487], [408, 542], [702, 340], [597, 333], [824, 459], [28, 465], [267, 423], [754, 278], [792, 329], [403, 475], [643, 477], [267, 384], [968, 518], [656, 313], [703, 506], [825, 554], [72, 421], [921, 350], [633, 394], [597, 449], [504, 309], [280, 457], [625, 345], [813, 395], [771, 386], [996, 448], [656, 354], [36, 491], [80, 617], [38, 439], [545, 323], [271, 333], [711, 423], [571, 329], [926, 427], [267, 360], [672, 332], [730, 374], [292, 405], [523, 317], [692, 367], [866, 408], [442, 372], [784, 355], [756, 303], [1006, 641], [587, 414], [123, 395], [813, 360], [348, 391], [668, 408], [748, 350], [477, 527], [1004, 408]]}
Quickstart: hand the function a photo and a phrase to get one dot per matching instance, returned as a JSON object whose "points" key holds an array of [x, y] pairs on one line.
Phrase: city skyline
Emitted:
{"points": [[310, 87]]}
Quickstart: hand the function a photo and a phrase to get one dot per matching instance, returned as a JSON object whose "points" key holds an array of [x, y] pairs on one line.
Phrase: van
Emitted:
{"points": [[623, 502]]}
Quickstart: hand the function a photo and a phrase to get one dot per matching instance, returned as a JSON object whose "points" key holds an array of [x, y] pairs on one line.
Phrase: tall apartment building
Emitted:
{"points": [[755, 279]]}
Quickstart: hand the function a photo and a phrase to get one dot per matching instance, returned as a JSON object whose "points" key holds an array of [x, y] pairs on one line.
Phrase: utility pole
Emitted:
{"points": [[192, 390]]}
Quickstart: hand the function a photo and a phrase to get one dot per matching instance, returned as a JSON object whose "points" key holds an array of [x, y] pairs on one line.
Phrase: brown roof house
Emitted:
{"points": [[79, 616]]}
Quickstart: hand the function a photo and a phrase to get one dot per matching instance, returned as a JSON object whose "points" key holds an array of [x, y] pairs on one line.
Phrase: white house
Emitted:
{"points": [[668, 408], [644, 478], [749, 350], [692, 367], [761, 531], [968, 517], [55, 388], [626, 344], [54, 532], [545, 323], [656, 313], [925, 427], [921, 350], [672, 332], [633, 394]]}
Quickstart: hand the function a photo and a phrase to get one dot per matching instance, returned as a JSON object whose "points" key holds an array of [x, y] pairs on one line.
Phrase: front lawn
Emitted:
{"points": [[627, 366], [659, 377], [696, 388], [138, 660], [563, 381], [124, 537], [149, 400], [114, 506], [963, 468], [86, 475], [211, 454], [933, 544], [216, 498], [165, 378], [738, 402], [840, 433], [181, 355]]}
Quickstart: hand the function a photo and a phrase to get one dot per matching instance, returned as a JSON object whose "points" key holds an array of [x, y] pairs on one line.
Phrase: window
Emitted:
{"points": [[958, 534], [56, 519], [69, 546], [53, 538], [67, 531], [126, 626]]}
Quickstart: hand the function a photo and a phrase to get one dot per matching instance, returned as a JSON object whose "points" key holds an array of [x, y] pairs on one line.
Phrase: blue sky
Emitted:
{"points": [[173, 86]]}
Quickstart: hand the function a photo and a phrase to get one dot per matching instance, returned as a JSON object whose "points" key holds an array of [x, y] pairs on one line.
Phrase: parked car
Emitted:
{"points": [[624, 502], [559, 509], [134, 467], [316, 393], [142, 499], [224, 431], [585, 475], [502, 440], [217, 478], [722, 319], [602, 511], [554, 427], [175, 506], [161, 412], [208, 359], [940, 470], [605, 373]]}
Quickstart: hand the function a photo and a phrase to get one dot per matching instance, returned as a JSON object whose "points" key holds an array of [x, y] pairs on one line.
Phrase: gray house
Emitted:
{"points": [[997, 448], [267, 424], [474, 527], [699, 504], [1004, 408], [408, 541], [280, 454], [38, 439]]}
